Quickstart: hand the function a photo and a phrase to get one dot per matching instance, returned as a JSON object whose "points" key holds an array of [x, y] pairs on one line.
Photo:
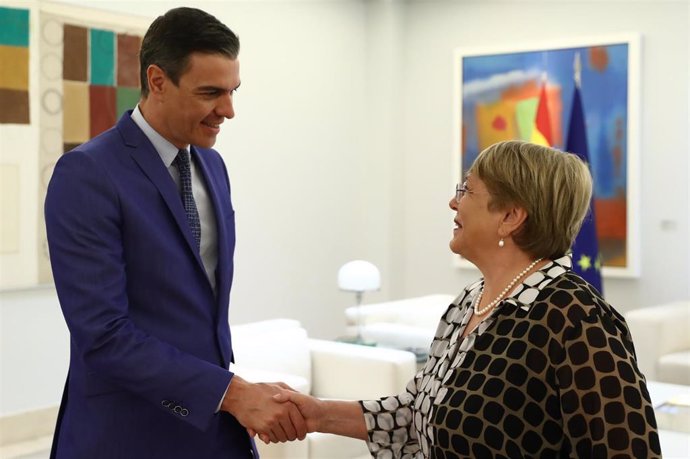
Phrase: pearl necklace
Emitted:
{"points": [[485, 309]]}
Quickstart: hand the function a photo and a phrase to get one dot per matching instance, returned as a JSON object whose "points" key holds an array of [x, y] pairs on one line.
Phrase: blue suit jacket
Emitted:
{"points": [[150, 341]]}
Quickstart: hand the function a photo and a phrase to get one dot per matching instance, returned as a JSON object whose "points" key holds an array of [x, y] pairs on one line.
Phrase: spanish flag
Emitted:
{"points": [[541, 134]]}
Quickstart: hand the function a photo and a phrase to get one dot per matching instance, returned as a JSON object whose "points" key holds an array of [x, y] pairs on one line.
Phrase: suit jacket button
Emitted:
{"points": [[166, 403], [184, 412], [177, 409]]}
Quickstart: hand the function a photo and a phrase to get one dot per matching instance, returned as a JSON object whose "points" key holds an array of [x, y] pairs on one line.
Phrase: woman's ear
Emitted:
{"points": [[512, 220]]}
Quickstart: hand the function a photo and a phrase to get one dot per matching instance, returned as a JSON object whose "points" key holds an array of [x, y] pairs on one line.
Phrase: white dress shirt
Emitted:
{"points": [[209, 235]]}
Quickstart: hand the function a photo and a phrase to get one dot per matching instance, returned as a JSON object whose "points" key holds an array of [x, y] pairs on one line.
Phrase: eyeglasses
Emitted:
{"points": [[460, 190]]}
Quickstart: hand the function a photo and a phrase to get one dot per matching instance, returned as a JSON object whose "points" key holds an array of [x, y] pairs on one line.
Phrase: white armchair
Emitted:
{"points": [[404, 324], [280, 350], [662, 341]]}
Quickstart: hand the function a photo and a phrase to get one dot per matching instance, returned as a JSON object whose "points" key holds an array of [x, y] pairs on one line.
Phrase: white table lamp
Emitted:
{"points": [[359, 276]]}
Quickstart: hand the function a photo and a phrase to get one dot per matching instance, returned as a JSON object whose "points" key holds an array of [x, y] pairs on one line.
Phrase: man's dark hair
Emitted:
{"points": [[173, 37]]}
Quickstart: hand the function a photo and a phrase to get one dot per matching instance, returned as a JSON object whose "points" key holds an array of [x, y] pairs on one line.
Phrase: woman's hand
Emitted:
{"points": [[339, 417]]}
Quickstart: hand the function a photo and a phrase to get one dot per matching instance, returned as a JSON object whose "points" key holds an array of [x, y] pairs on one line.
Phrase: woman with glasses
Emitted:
{"points": [[529, 361]]}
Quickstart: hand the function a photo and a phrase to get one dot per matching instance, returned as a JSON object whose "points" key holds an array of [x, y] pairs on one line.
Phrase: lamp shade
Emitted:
{"points": [[359, 276]]}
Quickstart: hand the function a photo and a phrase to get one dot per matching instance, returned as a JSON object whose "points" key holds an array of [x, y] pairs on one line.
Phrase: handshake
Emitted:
{"points": [[277, 413]]}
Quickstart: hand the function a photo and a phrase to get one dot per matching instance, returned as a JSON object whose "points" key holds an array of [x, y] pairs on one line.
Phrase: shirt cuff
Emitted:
{"points": [[220, 403]]}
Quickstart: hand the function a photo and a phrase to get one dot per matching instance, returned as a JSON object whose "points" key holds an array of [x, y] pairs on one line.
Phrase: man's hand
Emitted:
{"points": [[255, 408], [311, 408]]}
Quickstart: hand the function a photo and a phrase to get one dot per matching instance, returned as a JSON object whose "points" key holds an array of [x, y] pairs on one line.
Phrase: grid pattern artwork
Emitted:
{"points": [[100, 80]]}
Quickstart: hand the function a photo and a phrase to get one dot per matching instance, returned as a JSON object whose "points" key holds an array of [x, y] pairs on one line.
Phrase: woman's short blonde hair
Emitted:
{"points": [[553, 187]]}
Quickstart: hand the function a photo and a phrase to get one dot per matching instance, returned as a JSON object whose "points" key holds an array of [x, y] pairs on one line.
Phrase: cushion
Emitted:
{"points": [[420, 311], [354, 372], [674, 368], [427, 316]]}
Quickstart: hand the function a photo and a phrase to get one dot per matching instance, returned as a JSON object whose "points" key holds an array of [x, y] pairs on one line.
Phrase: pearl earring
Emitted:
{"points": [[501, 242]]}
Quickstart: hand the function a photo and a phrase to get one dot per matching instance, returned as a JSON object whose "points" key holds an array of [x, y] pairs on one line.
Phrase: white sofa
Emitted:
{"points": [[280, 350], [403, 324], [662, 341]]}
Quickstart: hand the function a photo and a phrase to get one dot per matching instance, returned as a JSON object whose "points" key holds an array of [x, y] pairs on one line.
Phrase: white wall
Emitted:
{"points": [[342, 146], [34, 345], [434, 29], [297, 157]]}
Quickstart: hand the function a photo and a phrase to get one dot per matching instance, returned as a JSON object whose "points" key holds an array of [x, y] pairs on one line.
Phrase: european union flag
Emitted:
{"points": [[586, 257]]}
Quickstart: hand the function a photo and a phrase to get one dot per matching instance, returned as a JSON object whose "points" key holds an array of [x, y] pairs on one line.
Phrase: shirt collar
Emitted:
{"points": [[166, 150], [524, 294]]}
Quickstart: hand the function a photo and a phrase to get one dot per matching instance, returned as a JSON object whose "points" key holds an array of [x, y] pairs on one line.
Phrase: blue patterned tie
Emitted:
{"points": [[182, 163]]}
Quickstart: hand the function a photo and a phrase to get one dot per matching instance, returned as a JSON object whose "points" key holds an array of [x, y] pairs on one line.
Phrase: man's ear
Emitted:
{"points": [[157, 79], [513, 218]]}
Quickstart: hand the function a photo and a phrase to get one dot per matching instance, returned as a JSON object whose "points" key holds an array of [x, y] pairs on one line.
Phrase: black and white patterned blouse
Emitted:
{"points": [[550, 373]]}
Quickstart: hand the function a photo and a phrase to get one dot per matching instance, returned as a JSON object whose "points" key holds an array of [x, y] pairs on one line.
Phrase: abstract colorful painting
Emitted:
{"points": [[498, 92], [14, 66]]}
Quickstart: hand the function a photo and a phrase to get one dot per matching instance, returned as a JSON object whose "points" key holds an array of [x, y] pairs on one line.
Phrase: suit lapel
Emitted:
{"points": [[146, 156]]}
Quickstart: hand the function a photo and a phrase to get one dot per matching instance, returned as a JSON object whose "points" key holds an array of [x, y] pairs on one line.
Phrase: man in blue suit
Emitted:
{"points": [[141, 234]]}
